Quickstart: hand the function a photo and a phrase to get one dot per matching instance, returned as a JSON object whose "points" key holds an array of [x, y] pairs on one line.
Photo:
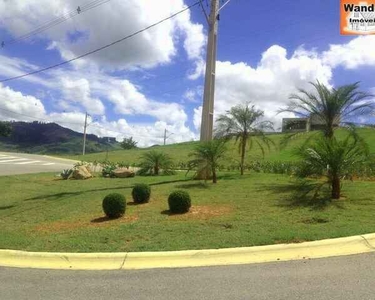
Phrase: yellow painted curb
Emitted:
{"points": [[189, 258]]}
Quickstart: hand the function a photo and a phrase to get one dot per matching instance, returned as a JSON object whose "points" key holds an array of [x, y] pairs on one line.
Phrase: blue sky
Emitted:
{"points": [[154, 81]]}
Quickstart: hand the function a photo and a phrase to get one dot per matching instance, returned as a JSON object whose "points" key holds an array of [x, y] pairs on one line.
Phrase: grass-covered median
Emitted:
{"points": [[40, 213]]}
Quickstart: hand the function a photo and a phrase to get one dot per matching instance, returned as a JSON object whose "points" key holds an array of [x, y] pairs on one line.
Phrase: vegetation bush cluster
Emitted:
{"points": [[114, 205], [141, 193], [179, 202]]}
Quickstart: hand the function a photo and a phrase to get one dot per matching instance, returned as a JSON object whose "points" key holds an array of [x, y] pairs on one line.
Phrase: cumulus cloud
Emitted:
{"points": [[15, 106], [79, 92], [268, 85], [91, 30], [356, 53]]}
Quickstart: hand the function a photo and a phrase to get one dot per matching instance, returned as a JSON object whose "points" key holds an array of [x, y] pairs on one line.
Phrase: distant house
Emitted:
{"points": [[303, 124], [360, 21]]}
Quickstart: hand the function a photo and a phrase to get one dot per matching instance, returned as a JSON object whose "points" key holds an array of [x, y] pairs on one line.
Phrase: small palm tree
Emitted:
{"points": [[331, 107], [153, 162], [243, 122], [207, 156], [333, 159]]}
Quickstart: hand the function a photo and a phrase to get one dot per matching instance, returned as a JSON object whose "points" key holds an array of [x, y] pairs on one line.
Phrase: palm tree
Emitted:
{"points": [[331, 107], [153, 162], [333, 159], [207, 156], [243, 122]]}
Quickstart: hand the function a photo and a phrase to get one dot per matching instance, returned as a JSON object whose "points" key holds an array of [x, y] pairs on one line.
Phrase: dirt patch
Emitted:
{"points": [[89, 222], [203, 212]]}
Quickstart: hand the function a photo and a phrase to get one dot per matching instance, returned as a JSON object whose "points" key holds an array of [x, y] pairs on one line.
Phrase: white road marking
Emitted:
{"points": [[7, 157], [12, 160], [48, 164], [28, 162]]}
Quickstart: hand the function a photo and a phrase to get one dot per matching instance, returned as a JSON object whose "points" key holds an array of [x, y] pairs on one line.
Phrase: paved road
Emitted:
{"points": [[349, 277], [19, 163]]}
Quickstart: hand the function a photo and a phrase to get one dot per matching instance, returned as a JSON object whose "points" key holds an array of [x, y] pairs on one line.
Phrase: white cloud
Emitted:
{"points": [[100, 26], [23, 105], [356, 53], [129, 100], [78, 91], [20, 107]]}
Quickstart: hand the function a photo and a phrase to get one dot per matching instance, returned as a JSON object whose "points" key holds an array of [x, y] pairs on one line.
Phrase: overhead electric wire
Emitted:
{"points": [[79, 10], [103, 47]]}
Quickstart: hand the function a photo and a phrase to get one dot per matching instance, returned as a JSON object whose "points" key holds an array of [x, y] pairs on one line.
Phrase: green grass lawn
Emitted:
{"points": [[180, 152], [41, 213]]}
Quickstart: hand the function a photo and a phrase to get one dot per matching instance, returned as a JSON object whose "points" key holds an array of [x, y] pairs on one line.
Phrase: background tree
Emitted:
{"points": [[207, 156], [128, 143], [333, 159], [5, 129], [153, 162], [331, 106], [244, 123]]}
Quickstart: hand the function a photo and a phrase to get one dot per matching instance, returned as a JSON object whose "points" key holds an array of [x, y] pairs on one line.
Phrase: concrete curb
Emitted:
{"points": [[191, 258]]}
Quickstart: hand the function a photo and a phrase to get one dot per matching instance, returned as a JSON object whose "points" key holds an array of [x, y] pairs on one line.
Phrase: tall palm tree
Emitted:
{"points": [[333, 159], [244, 123], [153, 162], [207, 156], [331, 107]]}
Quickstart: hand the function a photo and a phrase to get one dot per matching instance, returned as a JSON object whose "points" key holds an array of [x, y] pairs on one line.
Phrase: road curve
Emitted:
{"points": [[21, 163], [347, 277]]}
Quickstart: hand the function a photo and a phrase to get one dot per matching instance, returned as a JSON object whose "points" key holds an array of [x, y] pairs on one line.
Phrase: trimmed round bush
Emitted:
{"points": [[179, 202], [114, 205], [141, 193]]}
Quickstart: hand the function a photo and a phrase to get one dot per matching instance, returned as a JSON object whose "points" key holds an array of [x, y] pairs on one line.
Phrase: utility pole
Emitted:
{"points": [[84, 135], [165, 136], [209, 84]]}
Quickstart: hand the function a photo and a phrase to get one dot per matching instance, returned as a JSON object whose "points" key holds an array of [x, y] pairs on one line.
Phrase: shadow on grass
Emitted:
{"points": [[193, 185], [62, 195], [6, 207], [169, 213], [302, 193], [101, 220]]}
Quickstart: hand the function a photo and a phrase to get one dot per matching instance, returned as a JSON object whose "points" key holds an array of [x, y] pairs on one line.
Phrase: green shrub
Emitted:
{"points": [[179, 202], [141, 193], [114, 205]]}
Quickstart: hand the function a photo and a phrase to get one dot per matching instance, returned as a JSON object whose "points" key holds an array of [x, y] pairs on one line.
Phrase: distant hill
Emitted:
{"points": [[51, 138]]}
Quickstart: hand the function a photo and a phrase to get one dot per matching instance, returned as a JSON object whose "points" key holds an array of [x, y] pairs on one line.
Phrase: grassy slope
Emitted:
{"points": [[41, 213], [180, 152], [71, 147]]}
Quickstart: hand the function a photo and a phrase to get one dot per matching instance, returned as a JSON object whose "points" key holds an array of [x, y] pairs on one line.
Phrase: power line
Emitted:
{"points": [[54, 22], [101, 48]]}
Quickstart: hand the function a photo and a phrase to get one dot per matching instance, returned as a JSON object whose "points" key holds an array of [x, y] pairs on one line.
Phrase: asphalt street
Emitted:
{"points": [[20, 163], [348, 277]]}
